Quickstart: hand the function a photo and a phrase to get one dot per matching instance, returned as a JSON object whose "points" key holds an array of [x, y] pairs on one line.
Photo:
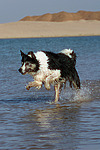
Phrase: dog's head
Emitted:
{"points": [[29, 63]]}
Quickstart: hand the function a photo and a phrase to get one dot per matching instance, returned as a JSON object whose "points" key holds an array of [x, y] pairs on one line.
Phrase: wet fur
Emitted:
{"points": [[49, 68]]}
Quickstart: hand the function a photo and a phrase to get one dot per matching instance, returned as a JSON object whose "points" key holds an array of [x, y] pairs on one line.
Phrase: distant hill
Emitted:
{"points": [[64, 16]]}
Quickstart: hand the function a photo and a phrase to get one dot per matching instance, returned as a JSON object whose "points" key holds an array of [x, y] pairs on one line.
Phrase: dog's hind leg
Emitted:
{"points": [[57, 90]]}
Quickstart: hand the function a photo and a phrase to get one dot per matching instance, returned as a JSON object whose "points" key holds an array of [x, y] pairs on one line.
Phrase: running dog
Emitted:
{"points": [[50, 68]]}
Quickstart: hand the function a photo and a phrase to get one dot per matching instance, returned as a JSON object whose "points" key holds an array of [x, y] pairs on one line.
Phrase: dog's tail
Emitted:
{"points": [[74, 79], [70, 53]]}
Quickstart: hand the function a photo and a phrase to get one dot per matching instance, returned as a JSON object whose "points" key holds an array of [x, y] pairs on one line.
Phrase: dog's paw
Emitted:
{"points": [[38, 87], [47, 86], [27, 87]]}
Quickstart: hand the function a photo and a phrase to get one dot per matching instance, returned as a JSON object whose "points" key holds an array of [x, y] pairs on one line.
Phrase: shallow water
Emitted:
{"points": [[30, 119]]}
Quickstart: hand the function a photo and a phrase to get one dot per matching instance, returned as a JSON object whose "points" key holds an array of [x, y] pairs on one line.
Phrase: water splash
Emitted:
{"points": [[82, 95]]}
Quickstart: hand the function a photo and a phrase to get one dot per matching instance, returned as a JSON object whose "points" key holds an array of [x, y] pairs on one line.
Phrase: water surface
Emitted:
{"points": [[29, 119]]}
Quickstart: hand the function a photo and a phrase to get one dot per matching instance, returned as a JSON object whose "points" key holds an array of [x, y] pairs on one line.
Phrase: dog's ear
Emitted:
{"points": [[22, 54], [31, 54]]}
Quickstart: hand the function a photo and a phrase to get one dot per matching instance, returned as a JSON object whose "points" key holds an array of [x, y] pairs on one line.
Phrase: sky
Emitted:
{"points": [[14, 10]]}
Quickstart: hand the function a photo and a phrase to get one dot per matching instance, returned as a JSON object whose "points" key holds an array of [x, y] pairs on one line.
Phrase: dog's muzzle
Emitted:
{"points": [[20, 70]]}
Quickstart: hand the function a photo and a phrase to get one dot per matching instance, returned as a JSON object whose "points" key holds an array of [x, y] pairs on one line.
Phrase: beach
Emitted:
{"points": [[35, 29]]}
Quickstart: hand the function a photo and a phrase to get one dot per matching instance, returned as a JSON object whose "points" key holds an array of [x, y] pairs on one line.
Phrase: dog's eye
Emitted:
{"points": [[27, 64]]}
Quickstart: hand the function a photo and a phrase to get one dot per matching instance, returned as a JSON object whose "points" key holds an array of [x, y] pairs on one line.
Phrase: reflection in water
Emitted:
{"points": [[54, 125], [34, 123]]}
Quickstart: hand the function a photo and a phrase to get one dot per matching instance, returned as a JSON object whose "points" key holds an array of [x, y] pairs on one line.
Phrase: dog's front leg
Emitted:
{"points": [[57, 88], [36, 84]]}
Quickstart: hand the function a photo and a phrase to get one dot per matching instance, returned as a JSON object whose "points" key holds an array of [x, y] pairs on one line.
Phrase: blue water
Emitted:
{"points": [[29, 119]]}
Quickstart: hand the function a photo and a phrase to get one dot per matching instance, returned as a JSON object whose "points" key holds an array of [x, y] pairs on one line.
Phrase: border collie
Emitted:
{"points": [[50, 68]]}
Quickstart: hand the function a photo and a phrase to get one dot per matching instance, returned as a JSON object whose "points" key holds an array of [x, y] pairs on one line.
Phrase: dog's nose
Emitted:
{"points": [[20, 70]]}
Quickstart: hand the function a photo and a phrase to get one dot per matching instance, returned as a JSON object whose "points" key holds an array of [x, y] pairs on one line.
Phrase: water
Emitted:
{"points": [[29, 119]]}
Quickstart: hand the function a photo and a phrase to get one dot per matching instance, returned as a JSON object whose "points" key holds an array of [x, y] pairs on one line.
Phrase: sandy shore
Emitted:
{"points": [[29, 29]]}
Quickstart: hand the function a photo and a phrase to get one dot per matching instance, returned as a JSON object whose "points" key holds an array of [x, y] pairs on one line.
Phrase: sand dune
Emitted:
{"points": [[28, 29], [64, 16]]}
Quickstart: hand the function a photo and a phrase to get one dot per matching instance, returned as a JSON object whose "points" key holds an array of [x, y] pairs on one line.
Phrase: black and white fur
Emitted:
{"points": [[50, 68]]}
